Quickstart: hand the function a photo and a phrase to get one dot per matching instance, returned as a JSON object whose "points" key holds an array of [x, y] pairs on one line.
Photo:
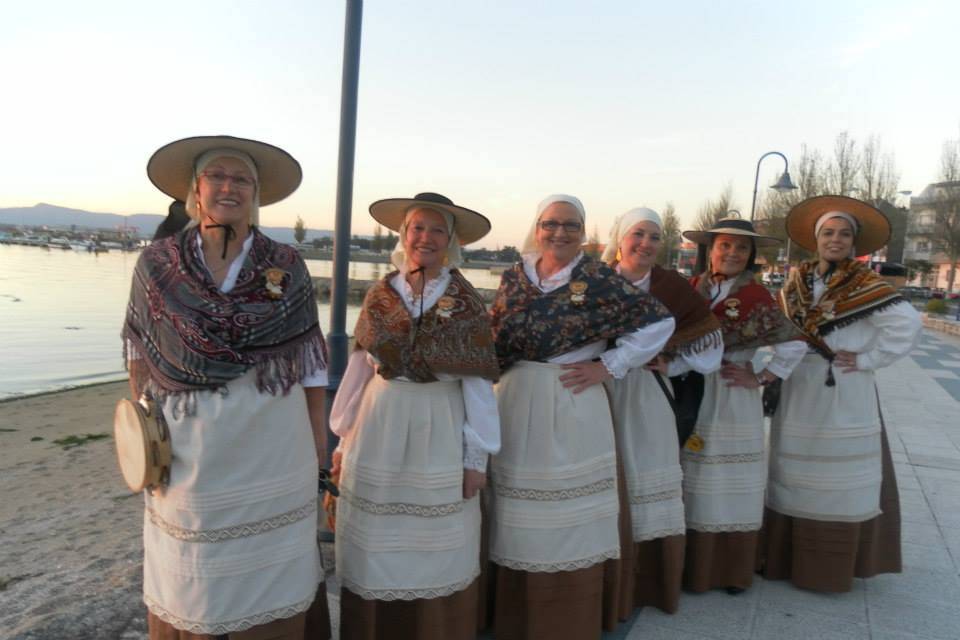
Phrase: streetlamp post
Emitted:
{"points": [[784, 183]]}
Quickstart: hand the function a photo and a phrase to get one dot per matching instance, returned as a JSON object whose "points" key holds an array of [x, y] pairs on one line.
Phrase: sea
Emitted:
{"points": [[61, 312]]}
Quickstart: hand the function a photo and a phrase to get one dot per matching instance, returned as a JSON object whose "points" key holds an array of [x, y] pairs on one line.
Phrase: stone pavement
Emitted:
{"points": [[920, 398]]}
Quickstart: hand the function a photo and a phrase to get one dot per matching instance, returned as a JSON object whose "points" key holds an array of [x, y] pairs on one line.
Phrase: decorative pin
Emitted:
{"points": [[577, 290], [694, 443], [828, 306], [732, 311], [274, 279], [445, 306]]}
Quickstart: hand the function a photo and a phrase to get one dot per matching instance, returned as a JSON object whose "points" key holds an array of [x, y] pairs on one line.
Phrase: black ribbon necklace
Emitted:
{"points": [[229, 233]]}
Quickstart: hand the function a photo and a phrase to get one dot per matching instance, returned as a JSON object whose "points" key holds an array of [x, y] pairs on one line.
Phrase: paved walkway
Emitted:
{"points": [[920, 397]]}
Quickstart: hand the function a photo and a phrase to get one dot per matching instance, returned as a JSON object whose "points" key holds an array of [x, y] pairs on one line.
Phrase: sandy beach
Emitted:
{"points": [[70, 531]]}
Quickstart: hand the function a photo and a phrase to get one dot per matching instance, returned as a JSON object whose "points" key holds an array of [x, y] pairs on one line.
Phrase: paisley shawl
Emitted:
{"points": [[697, 328], [452, 337], [749, 316], [192, 336], [597, 304], [853, 292]]}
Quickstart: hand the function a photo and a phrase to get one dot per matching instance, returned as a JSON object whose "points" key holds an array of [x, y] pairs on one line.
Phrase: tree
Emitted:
{"points": [[592, 247], [669, 236], [714, 210], [299, 230], [390, 241], [878, 172], [920, 268], [842, 175], [946, 205], [377, 243]]}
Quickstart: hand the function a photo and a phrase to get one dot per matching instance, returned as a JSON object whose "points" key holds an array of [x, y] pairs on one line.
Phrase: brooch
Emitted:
{"points": [[577, 290], [445, 306], [274, 278], [694, 443], [732, 311], [828, 306]]}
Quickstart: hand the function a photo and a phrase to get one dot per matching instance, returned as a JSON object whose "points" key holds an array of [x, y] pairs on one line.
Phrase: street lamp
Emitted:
{"points": [[782, 185]]}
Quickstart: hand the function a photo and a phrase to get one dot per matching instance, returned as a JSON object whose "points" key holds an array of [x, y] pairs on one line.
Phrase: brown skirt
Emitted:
{"points": [[827, 556], [658, 573], [314, 624], [452, 617], [719, 560]]}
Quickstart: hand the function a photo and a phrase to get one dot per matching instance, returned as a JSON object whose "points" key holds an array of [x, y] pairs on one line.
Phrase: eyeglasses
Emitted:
{"points": [[552, 225], [219, 178]]}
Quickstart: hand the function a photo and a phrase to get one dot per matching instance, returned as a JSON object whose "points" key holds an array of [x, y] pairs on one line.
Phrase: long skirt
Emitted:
{"points": [[555, 510], [407, 544], [723, 486], [647, 444], [314, 624]]}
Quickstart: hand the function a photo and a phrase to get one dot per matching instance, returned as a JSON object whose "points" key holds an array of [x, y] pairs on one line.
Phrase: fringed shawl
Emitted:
{"points": [[853, 292], [192, 336], [697, 328], [749, 316], [452, 337], [597, 304]]}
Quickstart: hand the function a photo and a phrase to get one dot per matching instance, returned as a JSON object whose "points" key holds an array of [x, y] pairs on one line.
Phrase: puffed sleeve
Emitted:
{"points": [[706, 361], [481, 429], [786, 356], [637, 348], [347, 401], [899, 330]]}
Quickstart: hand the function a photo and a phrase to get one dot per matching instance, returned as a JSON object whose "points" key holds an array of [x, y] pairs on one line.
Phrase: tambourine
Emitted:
{"points": [[143, 444]]}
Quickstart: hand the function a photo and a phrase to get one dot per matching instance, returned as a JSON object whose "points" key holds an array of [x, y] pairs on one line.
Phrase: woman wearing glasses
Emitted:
{"points": [[418, 420], [563, 324], [221, 332]]}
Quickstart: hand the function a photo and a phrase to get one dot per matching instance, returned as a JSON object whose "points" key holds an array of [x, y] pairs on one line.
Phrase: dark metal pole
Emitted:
{"points": [[756, 178], [337, 338]]}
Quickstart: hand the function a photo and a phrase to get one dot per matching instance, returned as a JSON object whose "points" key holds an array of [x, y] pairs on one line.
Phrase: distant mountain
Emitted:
{"points": [[145, 223]]}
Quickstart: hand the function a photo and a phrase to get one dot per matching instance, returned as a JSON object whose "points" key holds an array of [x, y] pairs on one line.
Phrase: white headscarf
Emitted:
{"points": [[530, 246], [621, 227], [201, 163], [846, 216], [454, 257]]}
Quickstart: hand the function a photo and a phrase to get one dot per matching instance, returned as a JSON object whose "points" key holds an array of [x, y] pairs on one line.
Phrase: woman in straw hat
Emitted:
{"points": [[418, 420], [555, 536], [643, 419], [724, 470], [221, 331], [832, 507]]}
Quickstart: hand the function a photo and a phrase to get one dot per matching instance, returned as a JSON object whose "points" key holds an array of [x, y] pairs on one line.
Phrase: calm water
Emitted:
{"points": [[61, 313]]}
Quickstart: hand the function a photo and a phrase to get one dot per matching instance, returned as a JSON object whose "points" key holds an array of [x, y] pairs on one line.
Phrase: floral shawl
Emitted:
{"points": [[451, 337], [749, 316], [853, 292], [697, 329], [192, 336], [597, 304]]}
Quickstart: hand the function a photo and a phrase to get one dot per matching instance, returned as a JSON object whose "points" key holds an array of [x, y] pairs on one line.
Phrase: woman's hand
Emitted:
{"points": [[335, 462], [473, 481], [739, 375], [846, 361], [583, 375], [658, 364]]}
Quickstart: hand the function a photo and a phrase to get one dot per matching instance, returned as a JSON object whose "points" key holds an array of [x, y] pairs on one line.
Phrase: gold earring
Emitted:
{"points": [[619, 255]]}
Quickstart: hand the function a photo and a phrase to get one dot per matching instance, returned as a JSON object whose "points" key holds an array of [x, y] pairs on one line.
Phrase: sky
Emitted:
{"points": [[495, 104]]}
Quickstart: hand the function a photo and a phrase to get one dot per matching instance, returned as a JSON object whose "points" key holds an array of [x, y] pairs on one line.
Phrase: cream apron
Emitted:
{"points": [[554, 501], [825, 446], [231, 543], [646, 433], [404, 530]]}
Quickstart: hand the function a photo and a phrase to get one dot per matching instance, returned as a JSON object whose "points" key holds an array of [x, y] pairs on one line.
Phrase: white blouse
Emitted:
{"points": [[316, 379], [632, 350], [706, 361], [481, 427], [878, 339]]}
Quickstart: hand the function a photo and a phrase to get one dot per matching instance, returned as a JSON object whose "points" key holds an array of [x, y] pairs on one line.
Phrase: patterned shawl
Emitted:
{"points": [[192, 336], [597, 304], [451, 337], [853, 292], [749, 316], [697, 329]]}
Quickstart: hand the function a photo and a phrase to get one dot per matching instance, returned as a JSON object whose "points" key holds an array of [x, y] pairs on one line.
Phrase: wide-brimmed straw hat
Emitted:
{"points": [[469, 225], [172, 166], [874, 232], [733, 227]]}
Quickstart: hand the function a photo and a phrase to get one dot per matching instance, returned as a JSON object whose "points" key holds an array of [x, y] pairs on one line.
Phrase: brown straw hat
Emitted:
{"points": [[171, 167], [733, 227], [874, 232], [469, 225]]}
